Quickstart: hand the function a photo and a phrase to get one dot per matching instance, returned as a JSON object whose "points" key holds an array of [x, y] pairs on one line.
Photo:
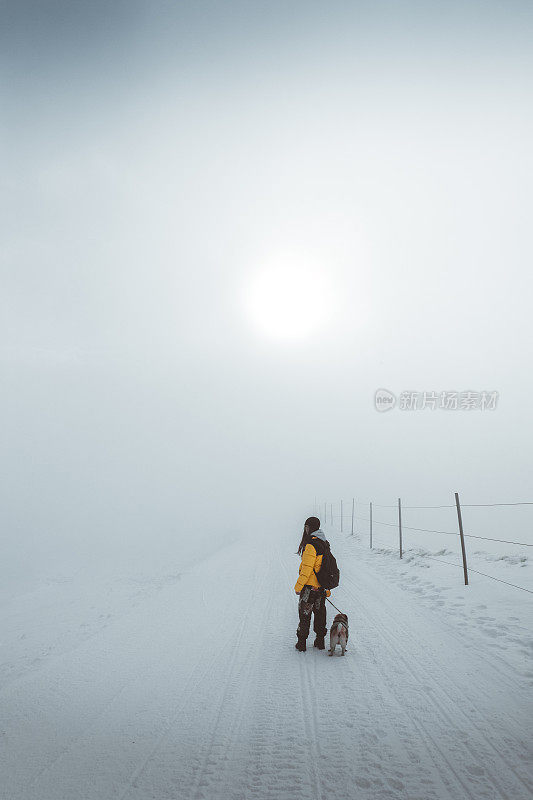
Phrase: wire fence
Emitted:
{"points": [[400, 527], [446, 533]]}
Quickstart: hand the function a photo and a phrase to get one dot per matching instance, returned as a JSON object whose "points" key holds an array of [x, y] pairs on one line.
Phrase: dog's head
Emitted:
{"points": [[341, 618]]}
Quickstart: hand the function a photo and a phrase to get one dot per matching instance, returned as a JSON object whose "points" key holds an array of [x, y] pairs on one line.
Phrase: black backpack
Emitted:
{"points": [[328, 575]]}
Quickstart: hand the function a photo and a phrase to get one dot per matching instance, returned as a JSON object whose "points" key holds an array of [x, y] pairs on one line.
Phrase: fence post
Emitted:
{"points": [[353, 511], [400, 524], [371, 526], [341, 516], [463, 550]]}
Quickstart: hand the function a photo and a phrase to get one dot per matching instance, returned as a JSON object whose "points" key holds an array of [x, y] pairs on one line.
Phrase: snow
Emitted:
{"points": [[183, 681]]}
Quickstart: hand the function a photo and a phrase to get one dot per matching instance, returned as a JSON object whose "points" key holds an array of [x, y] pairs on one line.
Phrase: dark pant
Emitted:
{"points": [[312, 601]]}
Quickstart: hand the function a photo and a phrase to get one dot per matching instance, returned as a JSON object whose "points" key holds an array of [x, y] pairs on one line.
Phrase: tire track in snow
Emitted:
{"points": [[397, 687], [309, 703], [247, 753], [202, 780], [440, 686], [311, 726], [118, 718], [270, 769], [197, 678], [390, 635], [96, 724], [369, 728], [192, 681], [252, 757]]}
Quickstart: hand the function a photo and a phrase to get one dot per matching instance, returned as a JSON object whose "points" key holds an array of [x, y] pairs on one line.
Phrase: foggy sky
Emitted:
{"points": [[154, 155]]}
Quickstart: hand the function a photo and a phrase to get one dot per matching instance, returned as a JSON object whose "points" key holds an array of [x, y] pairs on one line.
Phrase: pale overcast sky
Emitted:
{"points": [[224, 226]]}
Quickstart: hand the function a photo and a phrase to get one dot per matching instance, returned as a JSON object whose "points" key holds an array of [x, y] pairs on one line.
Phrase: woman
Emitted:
{"points": [[312, 596]]}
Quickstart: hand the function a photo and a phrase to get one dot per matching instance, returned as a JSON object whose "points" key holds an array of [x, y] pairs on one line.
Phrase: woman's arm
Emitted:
{"points": [[306, 567]]}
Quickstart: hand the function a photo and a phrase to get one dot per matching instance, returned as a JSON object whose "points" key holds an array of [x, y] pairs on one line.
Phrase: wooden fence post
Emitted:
{"points": [[400, 524], [371, 526], [463, 550], [353, 511]]}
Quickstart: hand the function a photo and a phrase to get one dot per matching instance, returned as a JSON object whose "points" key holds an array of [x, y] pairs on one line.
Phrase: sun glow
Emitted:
{"points": [[288, 300]]}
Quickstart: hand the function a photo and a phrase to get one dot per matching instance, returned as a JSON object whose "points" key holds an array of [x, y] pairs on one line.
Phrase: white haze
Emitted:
{"points": [[153, 162]]}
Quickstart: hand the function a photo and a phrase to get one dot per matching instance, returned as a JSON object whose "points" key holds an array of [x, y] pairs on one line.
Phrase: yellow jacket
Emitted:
{"points": [[310, 565]]}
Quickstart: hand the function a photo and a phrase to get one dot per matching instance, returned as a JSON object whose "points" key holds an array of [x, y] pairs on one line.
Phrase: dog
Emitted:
{"points": [[338, 633]]}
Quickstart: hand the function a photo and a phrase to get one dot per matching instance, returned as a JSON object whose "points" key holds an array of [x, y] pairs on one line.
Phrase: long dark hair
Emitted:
{"points": [[312, 524]]}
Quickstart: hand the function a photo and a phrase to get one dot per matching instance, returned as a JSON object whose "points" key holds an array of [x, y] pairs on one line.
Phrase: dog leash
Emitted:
{"points": [[334, 606]]}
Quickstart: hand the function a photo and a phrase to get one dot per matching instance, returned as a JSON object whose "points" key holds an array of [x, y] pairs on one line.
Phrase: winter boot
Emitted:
{"points": [[319, 643], [300, 645]]}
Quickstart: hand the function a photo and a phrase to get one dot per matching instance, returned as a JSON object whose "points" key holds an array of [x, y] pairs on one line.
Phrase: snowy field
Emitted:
{"points": [[183, 682]]}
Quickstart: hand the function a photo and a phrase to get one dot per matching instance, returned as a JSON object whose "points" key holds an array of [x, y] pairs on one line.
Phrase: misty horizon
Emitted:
{"points": [[158, 160]]}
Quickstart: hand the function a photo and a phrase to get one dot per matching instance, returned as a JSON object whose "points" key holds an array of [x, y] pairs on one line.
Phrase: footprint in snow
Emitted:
{"points": [[395, 783]]}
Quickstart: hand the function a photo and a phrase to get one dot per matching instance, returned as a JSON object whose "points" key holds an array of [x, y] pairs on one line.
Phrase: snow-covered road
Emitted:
{"points": [[195, 691]]}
